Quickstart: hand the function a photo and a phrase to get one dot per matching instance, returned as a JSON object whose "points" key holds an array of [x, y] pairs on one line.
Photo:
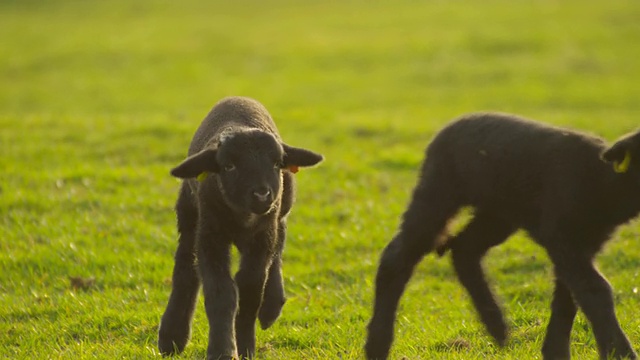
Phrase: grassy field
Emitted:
{"points": [[99, 99]]}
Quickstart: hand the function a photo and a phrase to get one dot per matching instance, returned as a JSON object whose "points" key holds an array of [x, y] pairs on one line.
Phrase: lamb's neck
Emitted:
{"points": [[623, 198]]}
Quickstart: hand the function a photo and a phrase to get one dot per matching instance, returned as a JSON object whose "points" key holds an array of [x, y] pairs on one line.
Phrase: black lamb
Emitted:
{"points": [[568, 190], [238, 189]]}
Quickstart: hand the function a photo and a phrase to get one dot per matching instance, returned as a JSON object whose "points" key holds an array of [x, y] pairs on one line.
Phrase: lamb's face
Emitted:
{"points": [[247, 168], [250, 171]]}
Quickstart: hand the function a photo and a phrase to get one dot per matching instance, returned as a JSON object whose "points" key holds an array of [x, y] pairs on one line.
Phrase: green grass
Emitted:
{"points": [[99, 99]]}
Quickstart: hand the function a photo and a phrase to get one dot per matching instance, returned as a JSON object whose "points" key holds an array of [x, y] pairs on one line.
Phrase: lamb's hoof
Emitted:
{"points": [[222, 357], [496, 327], [376, 351], [500, 337], [172, 343], [170, 348], [269, 313], [379, 340]]}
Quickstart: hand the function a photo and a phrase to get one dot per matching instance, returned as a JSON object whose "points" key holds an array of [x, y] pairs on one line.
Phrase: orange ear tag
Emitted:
{"points": [[293, 168]]}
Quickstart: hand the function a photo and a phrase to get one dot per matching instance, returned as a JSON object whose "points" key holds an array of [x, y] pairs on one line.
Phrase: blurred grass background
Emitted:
{"points": [[100, 99]]}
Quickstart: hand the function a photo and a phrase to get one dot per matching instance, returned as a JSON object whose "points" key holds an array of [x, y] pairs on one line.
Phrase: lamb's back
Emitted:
{"points": [[232, 114], [509, 161]]}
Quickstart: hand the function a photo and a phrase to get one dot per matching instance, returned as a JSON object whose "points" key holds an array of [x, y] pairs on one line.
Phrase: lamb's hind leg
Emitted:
{"points": [[423, 222], [175, 326], [483, 232]]}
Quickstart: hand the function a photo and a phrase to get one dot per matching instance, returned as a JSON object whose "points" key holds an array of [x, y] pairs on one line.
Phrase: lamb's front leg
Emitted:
{"points": [[175, 326], [250, 279], [274, 298], [593, 294], [563, 313], [220, 295]]}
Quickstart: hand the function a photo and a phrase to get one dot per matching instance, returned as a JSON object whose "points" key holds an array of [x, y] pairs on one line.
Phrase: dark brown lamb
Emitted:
{"points": [[238, 189], [568, 190]]}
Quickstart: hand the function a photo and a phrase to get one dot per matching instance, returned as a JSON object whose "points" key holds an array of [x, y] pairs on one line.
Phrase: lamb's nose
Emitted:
{"points": [[262, 194]]}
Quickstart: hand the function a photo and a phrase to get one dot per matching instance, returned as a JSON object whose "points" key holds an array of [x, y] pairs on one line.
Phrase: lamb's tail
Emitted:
{"points": [[443, 247], [435, 201]]}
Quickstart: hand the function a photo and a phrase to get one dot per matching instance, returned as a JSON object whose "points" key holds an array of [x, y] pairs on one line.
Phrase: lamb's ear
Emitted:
{"points": [[197, 164], [619, 154], [294, 157]]}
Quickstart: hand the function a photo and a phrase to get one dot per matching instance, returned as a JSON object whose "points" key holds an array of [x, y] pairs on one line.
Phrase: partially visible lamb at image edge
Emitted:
{"points": [[567, 189]]}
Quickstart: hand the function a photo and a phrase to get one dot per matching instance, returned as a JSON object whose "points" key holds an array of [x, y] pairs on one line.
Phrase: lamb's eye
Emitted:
{"points": [[229, 167], [278, 165]]}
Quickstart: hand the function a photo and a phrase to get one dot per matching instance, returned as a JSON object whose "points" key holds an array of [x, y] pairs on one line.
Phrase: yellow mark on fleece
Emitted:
{"points": [[622, 167], [202, 176]]}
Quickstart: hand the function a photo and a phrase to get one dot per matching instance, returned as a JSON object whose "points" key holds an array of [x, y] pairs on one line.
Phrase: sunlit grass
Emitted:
{"points": [[100, 99]]}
